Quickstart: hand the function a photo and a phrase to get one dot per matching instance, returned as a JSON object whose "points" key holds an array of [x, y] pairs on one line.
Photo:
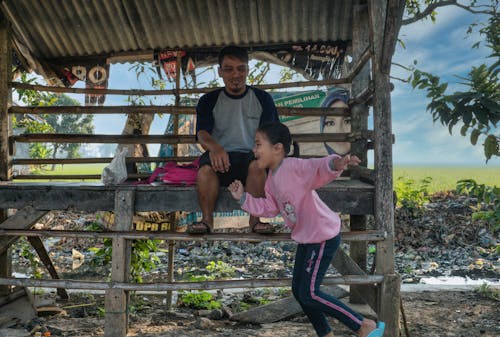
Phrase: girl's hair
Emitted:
{"points": [[279, 133]]}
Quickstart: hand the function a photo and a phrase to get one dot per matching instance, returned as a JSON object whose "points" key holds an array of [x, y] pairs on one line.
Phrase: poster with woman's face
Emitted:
{"points": [[337, 124]]}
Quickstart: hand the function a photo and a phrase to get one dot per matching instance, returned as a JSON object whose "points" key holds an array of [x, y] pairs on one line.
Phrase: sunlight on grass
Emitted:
{"points": [[445, 178]]}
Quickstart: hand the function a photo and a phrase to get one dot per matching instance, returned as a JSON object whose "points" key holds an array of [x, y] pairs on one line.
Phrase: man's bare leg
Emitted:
{"points": [[208, 191], [256, 180]]}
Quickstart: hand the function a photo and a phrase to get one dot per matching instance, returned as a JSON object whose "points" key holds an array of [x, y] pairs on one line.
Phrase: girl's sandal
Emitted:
{"points": [[378, 331], [263, 228], [200, 227]]}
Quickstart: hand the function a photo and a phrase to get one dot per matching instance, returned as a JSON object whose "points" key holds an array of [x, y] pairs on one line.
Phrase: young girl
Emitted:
{"points": [[290, 191]]}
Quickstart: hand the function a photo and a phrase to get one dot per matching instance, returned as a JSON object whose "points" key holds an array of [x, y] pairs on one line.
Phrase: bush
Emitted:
{"points": [[487, 207], [199, 300], [410, 195]]}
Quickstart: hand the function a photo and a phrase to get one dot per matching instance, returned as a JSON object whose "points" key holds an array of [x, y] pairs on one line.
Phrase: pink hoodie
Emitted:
{"points": [[290, 191]]}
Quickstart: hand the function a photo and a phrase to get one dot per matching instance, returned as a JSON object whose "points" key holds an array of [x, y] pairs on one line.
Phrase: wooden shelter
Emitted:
{"points": [[43, 35]]}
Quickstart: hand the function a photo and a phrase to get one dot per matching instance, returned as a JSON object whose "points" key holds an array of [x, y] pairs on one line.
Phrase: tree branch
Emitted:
{"points": [[428, 11]]}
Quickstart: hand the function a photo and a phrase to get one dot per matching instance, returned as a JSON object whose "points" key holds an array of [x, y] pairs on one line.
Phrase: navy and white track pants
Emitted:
{"points": [[311, 264]]}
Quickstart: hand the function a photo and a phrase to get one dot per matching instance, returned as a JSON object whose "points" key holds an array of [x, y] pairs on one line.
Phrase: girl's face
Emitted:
{"points": [[267, 154]]}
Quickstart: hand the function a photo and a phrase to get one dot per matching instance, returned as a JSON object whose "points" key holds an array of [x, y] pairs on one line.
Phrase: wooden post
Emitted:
{"points": [[171, 243], [116, 301], [359, 122], [5, 102], [384, 28]]}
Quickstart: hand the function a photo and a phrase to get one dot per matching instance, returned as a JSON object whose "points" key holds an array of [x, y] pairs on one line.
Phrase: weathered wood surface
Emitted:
{"points": [[24, 218], [5, 96], [37, 243], [347, 266], [134, 92], [97, 160], [369, 235], [346, 196], [116, 320], [166, 109], [171, 139], [359, 121], [281, 309], [164, 286]]}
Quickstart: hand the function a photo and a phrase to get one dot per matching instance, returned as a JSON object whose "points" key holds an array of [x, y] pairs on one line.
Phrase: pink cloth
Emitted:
{"points": [[290, 191]]}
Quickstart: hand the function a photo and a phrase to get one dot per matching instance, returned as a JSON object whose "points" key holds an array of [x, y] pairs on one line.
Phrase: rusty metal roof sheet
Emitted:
{"points": [[53, 29]]}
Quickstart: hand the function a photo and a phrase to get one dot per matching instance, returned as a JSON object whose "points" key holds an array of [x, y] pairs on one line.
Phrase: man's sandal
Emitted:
{"points": [[200, 227], [263, 228], [378, 331]]}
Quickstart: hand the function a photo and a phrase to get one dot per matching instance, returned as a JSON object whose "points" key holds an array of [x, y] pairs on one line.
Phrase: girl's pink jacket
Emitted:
{"points": [[290, 191]]}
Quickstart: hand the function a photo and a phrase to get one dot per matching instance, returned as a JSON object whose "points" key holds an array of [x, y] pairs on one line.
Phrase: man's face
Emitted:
{"points": [[234, 74]]}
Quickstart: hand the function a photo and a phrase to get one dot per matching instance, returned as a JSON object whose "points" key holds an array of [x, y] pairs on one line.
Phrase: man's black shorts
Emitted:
{"points": [[238, 169]]}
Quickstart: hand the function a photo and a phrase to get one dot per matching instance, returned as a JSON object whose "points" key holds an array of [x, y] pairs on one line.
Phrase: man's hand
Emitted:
{"points": [[341, 164], [219, 159], [236, 189]]}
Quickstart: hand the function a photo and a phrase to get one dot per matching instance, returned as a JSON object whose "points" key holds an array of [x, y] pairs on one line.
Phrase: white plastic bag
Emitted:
{"points": [[116, 171]]}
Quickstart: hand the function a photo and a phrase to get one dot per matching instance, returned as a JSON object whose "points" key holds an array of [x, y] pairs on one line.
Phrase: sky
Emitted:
{"points": [[442, 48]]}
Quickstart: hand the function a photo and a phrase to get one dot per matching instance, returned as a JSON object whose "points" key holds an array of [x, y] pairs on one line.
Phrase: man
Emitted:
{"points": [[226, 121]]}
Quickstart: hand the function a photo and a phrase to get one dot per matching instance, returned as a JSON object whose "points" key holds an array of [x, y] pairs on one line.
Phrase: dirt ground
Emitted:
{"points": [[429, 314]]}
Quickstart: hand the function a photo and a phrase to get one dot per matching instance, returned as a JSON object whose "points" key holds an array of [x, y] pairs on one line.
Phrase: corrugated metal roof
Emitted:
{"points": [[53, 29]]}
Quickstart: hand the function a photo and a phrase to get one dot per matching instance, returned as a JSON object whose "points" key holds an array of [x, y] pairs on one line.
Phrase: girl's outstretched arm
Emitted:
{"points": [[236, 188], [341, 164]]}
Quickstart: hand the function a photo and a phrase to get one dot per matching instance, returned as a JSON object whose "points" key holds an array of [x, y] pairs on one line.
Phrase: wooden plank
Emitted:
{"points": [[346, 196], [346, 266], [5, 97], [359, 121], [116, 320], [164, 286], [361, 63], [350, 236], [23, 219], [163, 109], [171, 139], [50, 161], [135, 92], [388, 306], [37, 244], [281, 309]]}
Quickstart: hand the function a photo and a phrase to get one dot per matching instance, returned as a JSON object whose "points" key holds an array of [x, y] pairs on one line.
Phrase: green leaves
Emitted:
{"points": [[487, 201], [477, 108]]}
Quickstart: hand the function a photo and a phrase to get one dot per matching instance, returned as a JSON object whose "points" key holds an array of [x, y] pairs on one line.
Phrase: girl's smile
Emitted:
{"points": [[268, 155]]}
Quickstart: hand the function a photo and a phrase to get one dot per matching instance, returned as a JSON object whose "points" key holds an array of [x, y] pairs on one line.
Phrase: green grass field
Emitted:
{"points": [[443, 178]]}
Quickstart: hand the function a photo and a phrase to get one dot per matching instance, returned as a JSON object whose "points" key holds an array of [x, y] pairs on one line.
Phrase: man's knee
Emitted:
{"points": [[206, 176]]}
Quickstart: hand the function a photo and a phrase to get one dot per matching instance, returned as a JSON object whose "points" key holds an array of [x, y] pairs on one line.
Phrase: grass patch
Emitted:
{"points": [[445, 178]]}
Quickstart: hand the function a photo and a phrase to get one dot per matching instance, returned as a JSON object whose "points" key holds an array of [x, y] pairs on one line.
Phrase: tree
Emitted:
{"points": [[62, 123], [477, 108]]}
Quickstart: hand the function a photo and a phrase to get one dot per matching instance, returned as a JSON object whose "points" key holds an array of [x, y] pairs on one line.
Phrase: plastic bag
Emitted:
{"points": [[116, 171]]}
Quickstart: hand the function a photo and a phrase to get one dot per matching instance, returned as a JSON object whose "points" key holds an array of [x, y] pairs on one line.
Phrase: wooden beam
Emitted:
{"points": [[388, 307], [361, 63], [176, 286], [23, 219], [165, 109], [37, 244], [138, 92], [368, 235], [359, 121], [347, 266], [346, 196], [97, 160], [5, 97], [116, 300], [171, 139]]}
